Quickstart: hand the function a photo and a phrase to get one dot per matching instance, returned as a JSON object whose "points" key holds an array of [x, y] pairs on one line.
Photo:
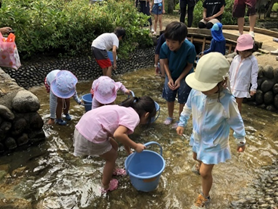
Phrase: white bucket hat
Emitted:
{"points": [[105, 91], [211, 69]]}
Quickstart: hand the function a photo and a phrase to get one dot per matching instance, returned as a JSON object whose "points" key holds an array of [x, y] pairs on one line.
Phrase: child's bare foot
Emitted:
{"points": [[113, 184], [51, 121]]}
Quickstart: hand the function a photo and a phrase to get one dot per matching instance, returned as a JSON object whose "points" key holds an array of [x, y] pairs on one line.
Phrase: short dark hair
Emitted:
{"points": [[176, 31], [119, 31]]}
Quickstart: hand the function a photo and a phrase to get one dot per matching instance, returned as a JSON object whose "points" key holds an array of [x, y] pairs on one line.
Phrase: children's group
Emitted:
{"points": [[212, 94]]}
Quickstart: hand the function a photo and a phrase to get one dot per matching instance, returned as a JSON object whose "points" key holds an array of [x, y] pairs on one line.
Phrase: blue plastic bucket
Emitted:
{"points": [[110, 56], [87, 98], [144, 169]]}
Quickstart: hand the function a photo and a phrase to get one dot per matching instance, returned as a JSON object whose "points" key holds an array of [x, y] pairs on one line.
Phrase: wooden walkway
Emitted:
{"points": [[263, 37]]}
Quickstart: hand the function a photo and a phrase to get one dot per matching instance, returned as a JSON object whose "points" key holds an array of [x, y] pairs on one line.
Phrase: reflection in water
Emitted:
{"points": [[54, 178]]}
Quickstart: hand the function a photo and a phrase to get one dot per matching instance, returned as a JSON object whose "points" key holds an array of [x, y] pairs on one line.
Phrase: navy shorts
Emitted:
{"points": [[170, 95], [157, 9]]}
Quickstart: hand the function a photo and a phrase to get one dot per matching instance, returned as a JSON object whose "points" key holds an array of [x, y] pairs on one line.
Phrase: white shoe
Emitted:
{"points": [[274, 52], [152, 30], [275, 39], [252, 34]]}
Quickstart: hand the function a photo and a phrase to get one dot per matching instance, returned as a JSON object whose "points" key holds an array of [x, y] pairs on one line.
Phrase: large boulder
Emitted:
{"points": [[6, 113], [24, 101]]}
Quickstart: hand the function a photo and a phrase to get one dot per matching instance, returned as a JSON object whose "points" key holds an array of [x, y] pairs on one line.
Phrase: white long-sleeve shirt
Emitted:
{"points": [[243, 72]]}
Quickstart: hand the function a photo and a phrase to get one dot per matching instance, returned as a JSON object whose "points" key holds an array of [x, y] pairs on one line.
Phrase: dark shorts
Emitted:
{"points": [[240, 5], [157, 10], [101, 57], [170, 95]]}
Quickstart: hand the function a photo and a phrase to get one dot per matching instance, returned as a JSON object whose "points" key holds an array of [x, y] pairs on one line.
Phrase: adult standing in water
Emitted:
{"points": [[191, 4]]}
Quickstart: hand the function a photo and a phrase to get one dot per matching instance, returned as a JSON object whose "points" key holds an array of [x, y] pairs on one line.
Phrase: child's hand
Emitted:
{"points": [[171, 84], [128, 92], [114, 66], [177, 84], [241, 148], [252, 93], [180, 130], [81, 102], [139, 147]]}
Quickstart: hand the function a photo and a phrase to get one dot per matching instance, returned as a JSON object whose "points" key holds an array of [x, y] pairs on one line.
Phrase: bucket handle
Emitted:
{"points": [[147, 144], [132, 94], [153, 142]]}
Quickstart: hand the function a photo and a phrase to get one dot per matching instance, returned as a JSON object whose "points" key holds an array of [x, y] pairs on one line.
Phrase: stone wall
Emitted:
{"points": [[20, 124]]}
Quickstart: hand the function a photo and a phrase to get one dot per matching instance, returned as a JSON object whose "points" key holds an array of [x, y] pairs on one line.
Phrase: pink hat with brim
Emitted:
{"points": [[63, 86], [105, 91], [244, 42]]}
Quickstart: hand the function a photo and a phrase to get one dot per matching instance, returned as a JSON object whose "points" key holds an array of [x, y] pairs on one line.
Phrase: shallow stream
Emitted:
{"points": [[53, 178]]}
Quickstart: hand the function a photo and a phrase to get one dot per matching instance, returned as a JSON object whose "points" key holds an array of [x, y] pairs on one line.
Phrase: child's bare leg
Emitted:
{"points": [[66, 106], [110, 159], [239, 103], [195, 158], [114, 144], [206, 174], [107, 71], [155, 22], [170, 108], [59, 109], [180, 109], [240, 23], [160, 22]]}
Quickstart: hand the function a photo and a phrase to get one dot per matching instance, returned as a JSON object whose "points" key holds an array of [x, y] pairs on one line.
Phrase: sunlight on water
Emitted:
{"points": [[57, 179]]}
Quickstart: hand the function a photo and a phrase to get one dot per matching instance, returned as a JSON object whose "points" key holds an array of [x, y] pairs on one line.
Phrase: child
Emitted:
{"points": [[212, 13], [178, 56], [61, 86], [93, 133], [218, 42], [214, 112], [244, 70], [157, 11], [104, 43], [158, 63], [105, 91]]}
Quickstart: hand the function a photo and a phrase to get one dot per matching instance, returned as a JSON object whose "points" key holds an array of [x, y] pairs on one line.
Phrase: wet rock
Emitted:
{"points": [[259, 97], [267, 85], [275, 88], [18, 126], [6, 113], [10, 143], [23, 139], [25, 101], [268, 72], [5, 127]]}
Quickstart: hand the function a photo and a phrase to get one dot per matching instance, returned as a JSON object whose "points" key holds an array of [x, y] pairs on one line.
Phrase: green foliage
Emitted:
{"points": [[68, 27], [275, 7], [227, 18]]}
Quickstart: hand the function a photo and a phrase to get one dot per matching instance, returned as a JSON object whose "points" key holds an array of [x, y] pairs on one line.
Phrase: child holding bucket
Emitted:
{"points": [[214, 111], [104, 91], [104, 43], [94, 131], [61, 86]]}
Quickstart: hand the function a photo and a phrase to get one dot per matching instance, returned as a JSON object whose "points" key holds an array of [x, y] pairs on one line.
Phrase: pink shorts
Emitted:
{"points": [[240, 5]]}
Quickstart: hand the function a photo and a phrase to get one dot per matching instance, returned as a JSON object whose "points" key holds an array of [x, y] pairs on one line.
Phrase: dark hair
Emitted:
{"points": [[176, 31], [119, 31], [141, 105]]}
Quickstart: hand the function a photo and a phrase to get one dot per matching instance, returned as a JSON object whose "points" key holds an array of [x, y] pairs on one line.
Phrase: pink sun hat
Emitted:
{"points": [[244, 42], [105, 91], [63, 86]]}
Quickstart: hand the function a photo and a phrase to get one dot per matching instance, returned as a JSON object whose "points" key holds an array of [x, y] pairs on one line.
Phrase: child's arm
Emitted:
{"points": [[217, 14], [171, 83], [121, 135], [236, 123], [163, 7], [114, 51], [121, 86], [76, 98], [183, 74], [254, 76]]}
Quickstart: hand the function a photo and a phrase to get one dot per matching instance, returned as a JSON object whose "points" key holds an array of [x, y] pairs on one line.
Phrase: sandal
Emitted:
{"points": [[196, 169], [113, 185], [119, 172], [168, 121]]}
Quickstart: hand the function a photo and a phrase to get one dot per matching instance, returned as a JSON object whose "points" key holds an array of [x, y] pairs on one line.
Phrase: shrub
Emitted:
{"points": [[68, 27]]}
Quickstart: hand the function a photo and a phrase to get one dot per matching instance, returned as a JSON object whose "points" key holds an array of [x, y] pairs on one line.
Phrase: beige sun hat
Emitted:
{"points": [[211, 69]]}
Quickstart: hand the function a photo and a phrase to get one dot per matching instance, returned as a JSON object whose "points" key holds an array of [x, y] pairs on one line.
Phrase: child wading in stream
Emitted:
{"points": [[214, 111]]}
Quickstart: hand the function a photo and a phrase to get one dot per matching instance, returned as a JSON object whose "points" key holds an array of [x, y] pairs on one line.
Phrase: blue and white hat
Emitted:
{"points": [[63, 86]]}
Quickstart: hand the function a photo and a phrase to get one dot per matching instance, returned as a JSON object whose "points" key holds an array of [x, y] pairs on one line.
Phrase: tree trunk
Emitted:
{"points": [[268, 11], [171, 6]]}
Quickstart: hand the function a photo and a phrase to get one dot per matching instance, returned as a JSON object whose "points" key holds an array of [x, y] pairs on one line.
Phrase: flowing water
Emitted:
{"points": [[52, 177]]}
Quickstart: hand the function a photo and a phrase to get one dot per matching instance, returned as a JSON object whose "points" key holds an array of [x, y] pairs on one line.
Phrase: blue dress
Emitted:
{"points": [[212, 118]]}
